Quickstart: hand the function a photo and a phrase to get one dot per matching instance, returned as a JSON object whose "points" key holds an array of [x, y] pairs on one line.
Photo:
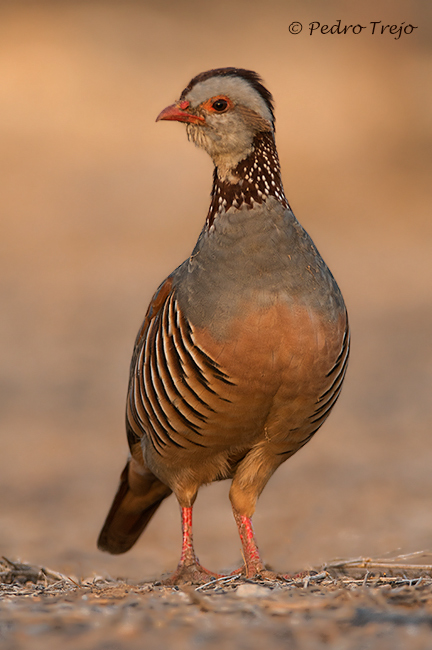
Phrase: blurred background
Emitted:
{"points": [[99, 203]]}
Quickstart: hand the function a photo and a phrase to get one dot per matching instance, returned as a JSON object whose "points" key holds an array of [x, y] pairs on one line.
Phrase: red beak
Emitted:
{"points": [[176, 113]]}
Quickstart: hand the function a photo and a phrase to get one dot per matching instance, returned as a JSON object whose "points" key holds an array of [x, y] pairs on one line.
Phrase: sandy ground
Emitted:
{"points": [[99, 204], [327, 608]]}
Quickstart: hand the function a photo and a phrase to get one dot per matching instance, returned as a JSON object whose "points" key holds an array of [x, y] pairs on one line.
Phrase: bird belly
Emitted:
{"points": [[278, 359], [269, 373]]}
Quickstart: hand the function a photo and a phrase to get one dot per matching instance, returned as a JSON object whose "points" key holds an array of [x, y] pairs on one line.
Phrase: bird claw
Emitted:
{"points": [[192, 573], [260, 573]]}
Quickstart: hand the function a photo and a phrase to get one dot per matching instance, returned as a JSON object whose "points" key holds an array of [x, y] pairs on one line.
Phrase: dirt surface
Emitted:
{"points": [[326, 608], [98, 204]]}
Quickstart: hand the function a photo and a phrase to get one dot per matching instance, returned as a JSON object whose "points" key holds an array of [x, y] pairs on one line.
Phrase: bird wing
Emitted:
{"points": [[174, 385], [140, 492]]}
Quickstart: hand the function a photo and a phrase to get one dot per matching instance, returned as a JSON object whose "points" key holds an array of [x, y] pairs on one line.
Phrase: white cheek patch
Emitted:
{"points": [[237, 89]]}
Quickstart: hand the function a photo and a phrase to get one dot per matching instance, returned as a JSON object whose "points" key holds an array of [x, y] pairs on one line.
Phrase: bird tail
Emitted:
{"points": [[138, 497]]}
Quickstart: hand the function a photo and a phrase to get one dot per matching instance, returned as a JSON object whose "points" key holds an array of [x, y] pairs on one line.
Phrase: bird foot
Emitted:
{"points": [[191, 573], [260, 573]]}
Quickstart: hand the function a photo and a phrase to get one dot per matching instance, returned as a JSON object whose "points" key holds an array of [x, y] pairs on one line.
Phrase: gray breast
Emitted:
{"points": [[253, 258]]}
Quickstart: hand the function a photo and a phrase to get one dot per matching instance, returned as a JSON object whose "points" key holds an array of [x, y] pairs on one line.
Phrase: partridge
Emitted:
{"points": [[244, 347]]}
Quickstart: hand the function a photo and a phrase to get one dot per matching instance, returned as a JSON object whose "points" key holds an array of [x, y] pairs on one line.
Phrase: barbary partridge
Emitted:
{"points": [[244, 347]]}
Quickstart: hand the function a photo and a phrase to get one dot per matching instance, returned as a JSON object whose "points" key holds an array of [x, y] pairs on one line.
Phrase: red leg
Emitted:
{"points": [[254, 566], [187, 553], [189, 568], [253, 562]]}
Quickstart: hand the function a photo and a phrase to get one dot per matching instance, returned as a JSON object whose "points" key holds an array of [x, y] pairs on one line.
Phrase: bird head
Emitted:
{"points": [[224, 109]]}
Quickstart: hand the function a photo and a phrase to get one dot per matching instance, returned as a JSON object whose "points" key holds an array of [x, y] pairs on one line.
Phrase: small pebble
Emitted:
{"points": [[255, 591]]}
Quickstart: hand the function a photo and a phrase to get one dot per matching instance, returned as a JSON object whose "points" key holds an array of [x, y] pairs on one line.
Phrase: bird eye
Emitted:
{"points": [[220, 105]]}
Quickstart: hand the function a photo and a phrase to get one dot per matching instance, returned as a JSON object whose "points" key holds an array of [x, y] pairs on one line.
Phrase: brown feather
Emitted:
{"points": [[138, 497]]}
